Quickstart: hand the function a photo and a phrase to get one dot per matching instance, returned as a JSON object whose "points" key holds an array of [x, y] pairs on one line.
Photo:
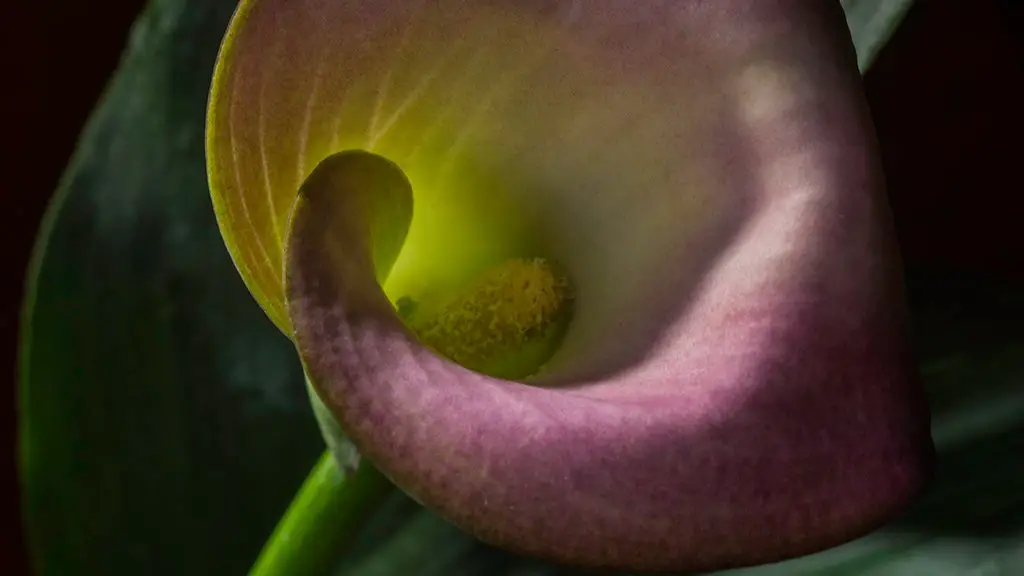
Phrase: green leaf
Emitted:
{"points": [[164, 422], [872, 23]]}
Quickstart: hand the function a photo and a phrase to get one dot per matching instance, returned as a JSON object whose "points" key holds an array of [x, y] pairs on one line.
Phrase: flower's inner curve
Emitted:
{"points": [[509, 315]]}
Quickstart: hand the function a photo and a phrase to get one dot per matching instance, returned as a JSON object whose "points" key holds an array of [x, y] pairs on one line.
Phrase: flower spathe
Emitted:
{"points": [[734, 386]]}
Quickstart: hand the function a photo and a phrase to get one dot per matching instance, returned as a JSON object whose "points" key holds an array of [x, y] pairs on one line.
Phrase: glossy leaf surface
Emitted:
{"points": [[164, 422]]}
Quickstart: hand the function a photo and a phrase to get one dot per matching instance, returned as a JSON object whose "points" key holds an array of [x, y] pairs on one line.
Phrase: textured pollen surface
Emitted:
{"points": [[509, 306]]}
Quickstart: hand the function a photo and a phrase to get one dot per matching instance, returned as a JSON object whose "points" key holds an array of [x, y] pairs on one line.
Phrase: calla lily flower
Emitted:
{"points": [[609, 283]]}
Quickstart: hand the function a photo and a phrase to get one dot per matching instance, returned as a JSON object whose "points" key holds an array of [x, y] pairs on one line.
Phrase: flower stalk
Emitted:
{"points": [[321, 521]]}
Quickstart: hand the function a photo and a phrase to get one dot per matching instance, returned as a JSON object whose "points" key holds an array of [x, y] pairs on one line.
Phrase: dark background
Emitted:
{"points": [[946, 95]]}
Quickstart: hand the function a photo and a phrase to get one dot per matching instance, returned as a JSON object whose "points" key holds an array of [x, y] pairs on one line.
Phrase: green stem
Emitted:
{"points": [[322, 519]]}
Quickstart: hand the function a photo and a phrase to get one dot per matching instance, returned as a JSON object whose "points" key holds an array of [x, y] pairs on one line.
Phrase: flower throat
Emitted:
{"points": [[507, 323]]}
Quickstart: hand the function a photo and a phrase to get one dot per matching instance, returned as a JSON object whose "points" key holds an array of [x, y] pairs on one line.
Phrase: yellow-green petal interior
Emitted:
{"points": [[415, 93], [523, 132]]}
